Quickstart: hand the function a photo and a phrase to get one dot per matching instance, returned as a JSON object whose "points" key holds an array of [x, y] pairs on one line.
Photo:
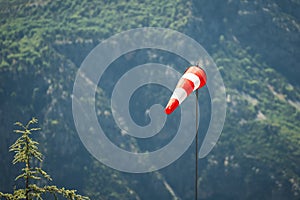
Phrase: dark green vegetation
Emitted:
{"points": [[255, 44], [26, 152]]}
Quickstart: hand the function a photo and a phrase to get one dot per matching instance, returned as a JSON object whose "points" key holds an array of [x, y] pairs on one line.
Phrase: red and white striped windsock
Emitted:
{"points": [[193, 79]]}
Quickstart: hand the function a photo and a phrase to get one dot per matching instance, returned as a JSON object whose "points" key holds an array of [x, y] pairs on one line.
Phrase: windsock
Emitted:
{"points": [[193, 79]]}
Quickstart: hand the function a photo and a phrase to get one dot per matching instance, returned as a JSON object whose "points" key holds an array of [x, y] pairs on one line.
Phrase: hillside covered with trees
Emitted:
{"points": [[255, 45]]}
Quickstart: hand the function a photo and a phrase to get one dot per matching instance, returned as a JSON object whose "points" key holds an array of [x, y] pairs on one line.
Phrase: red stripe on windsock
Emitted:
{"points": [[200, 73], [172, 105], [188, 86]]}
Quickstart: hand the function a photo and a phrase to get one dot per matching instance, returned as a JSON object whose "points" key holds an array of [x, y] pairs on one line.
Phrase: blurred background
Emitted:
{"points": [[255, 45]]}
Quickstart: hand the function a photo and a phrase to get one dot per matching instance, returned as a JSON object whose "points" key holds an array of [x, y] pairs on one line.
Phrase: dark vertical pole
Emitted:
{"points": [[196, 153]]}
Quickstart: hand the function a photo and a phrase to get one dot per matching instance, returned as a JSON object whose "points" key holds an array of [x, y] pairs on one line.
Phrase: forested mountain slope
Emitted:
{"points": [[255, 45]]}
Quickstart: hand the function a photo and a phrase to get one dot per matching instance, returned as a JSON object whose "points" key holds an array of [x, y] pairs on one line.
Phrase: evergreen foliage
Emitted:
{"points": [[26, 152], [255, 45]]}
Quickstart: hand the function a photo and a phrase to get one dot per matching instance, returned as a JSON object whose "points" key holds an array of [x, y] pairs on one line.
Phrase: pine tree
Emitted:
{"points": [[26, 151]]}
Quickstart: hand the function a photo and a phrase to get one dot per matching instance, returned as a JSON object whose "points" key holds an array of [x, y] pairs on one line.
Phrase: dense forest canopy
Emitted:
{"points": [[255, 45]]}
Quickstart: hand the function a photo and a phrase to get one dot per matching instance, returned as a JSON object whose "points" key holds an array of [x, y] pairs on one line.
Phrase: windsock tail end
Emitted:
{"points": [[172, 105]]}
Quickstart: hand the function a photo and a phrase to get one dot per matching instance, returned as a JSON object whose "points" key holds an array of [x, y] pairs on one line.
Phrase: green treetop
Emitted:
{"points": [[26, 151]]}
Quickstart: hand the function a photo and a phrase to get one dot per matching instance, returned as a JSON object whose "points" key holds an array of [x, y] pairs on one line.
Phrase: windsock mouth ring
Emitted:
{"points": [[199, 76]]}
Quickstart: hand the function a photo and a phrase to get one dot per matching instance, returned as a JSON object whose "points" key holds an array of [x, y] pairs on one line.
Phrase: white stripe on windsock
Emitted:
{"points": [[179, 94], [194, 78]]}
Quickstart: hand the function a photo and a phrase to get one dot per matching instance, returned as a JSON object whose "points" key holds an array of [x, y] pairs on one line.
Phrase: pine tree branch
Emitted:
{"points": [[68, 194]]}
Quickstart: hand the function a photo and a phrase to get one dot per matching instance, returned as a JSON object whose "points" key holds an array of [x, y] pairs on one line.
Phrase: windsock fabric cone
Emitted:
{"points": [[193, 79]]}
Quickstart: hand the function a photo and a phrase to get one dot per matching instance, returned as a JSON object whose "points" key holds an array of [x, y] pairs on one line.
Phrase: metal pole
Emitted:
{"points": [[196, 153]]}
